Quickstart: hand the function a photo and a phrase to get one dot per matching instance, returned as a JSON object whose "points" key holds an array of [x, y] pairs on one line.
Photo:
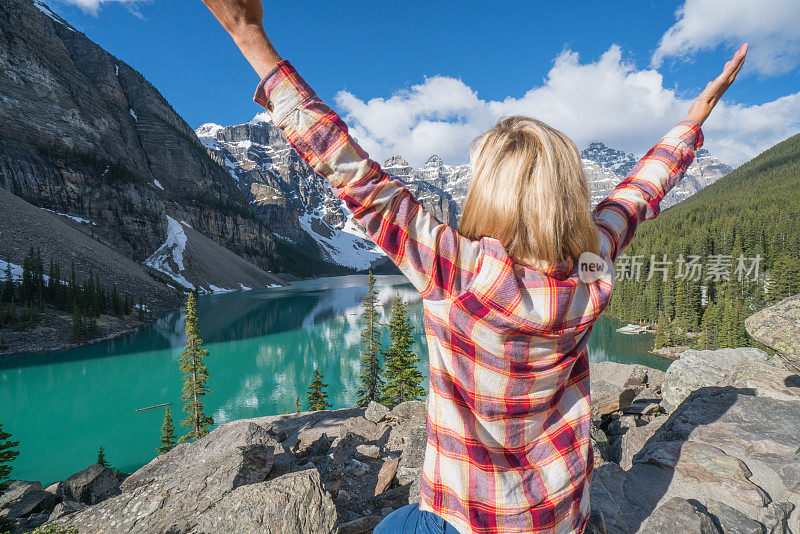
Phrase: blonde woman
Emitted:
{"points": [[507, 315]]}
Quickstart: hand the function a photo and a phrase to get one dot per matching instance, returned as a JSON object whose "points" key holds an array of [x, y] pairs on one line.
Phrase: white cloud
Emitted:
{"points": [[93, 6], [770, 26], [608, 100]]}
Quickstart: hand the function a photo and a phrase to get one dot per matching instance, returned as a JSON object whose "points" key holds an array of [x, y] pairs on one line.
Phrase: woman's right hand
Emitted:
{"points": [[702, 106], [242, 19]]}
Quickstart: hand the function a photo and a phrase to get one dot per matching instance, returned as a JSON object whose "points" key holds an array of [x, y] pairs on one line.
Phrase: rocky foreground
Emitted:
{"points": [[710, 446]]}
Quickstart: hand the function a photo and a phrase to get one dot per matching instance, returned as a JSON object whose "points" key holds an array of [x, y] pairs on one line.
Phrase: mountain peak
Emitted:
{"points": [[434, 160], [395, 161], [609, 158], [260, 118], [208, 129]]}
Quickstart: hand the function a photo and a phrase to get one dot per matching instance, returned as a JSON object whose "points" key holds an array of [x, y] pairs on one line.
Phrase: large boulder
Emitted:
{"points": [[34, 501], [292, 503], [700, 368], [614, 386], [91, 485], [15, 492], [727, 459], [779, 327], [679, 515], [177, 489]]}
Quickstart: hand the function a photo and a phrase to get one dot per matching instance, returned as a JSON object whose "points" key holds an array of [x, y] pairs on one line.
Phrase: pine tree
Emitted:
{"points": [[167, 433], [78, 328], [663, 336], [195, 376], [371, 382], [8, 452], [711, 328], [101, 458], [317, 397], [297, 404], [8, 285], [403, 379]]}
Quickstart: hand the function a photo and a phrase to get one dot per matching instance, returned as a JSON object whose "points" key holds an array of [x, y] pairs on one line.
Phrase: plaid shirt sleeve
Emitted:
{"points": [[638, 196], [434, 257]]}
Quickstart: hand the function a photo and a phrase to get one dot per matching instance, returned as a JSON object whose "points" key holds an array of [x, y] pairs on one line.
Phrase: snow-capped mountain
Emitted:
{"points": [[605, 167], [286, 194], [298, 205]]}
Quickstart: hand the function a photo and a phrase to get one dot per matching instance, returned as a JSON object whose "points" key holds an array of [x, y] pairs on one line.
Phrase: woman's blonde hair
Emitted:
{"points": [[529, 191]]}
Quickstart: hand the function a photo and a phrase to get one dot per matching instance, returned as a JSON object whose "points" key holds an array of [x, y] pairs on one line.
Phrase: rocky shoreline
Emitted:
{"points": [[55, 330], [712, 445]]}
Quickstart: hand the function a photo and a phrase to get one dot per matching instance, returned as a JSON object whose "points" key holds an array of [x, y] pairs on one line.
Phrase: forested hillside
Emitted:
{"points": [[704, 265]]}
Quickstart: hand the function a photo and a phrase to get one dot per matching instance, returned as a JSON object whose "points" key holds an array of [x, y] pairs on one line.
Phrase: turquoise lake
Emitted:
{"points": [[63, 405]]}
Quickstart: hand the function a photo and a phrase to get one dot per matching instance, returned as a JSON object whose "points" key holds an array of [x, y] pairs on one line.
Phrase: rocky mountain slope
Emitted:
{"points": [[605, 167], [298, 205], [85, 135]]}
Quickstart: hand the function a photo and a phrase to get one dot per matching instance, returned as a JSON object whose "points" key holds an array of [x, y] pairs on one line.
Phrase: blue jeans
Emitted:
{"points": [[411, 520]]}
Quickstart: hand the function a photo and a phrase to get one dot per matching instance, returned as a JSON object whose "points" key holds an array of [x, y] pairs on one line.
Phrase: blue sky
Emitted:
{"points": [[620, 72]]}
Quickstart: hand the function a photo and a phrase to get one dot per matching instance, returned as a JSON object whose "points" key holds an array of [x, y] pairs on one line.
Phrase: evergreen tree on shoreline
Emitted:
{"points": [[195, 376], [101, 458], [317, 397], [370, 377], [167, 433], [403, 379], [8, 452]]}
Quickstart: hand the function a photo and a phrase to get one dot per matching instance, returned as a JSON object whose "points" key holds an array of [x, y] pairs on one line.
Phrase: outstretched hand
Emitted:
{"points": [[243, 20], [702, 106]]}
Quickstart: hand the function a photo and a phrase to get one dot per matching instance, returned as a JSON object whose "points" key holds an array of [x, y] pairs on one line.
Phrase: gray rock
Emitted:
{"points": [[732, 521], [700, 368], [56, 488], [177, 489], [778, 327], [648, 402], [37, 500], [615, 385], [292, 503], [678, 515], [355, 468], [375, 412], [26, 524], [360, 525], [775, 517], [17, 489], [635, 438], [413, 412], [410, 467], [91, 485], [369, 451], [66, 508]]}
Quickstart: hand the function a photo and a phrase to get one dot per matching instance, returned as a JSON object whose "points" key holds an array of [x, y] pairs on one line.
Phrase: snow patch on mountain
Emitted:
{"points": [[168, 259], [347, 246], [73, 217], [51, 14]]}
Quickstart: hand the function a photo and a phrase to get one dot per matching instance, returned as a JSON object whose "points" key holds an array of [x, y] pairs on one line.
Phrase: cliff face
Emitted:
{"points": [[85, 134]]}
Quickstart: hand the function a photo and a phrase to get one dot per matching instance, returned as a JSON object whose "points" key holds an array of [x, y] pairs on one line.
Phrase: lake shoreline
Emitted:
{"points": [[38, 339]]}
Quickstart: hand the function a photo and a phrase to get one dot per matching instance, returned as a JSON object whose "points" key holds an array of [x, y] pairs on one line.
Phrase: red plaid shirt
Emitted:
{"points": [[508, 410]]}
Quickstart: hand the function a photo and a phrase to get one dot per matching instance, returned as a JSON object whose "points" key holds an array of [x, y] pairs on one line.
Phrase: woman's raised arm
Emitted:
{"points": [[638, 196], [434, 257]]}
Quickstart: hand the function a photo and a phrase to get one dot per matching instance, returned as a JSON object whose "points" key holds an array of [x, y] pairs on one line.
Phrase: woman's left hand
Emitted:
{"points": [[702, 106]]}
